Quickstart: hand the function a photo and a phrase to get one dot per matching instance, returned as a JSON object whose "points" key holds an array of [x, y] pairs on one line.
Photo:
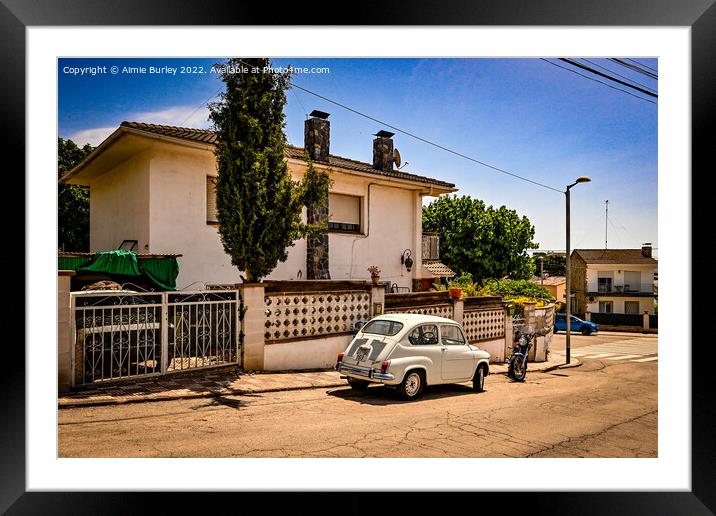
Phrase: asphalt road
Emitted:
{"points": [[605, 408]]}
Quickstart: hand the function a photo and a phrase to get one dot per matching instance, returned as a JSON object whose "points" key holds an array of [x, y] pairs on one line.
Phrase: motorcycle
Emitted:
{"points": [[521, 344]]}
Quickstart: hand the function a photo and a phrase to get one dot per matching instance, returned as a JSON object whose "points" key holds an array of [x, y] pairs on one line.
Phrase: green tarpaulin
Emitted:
{"points": [[161, 271]]}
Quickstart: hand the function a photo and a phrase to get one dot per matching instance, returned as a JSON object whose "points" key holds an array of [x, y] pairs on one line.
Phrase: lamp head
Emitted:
{"points": [[583, 179]]}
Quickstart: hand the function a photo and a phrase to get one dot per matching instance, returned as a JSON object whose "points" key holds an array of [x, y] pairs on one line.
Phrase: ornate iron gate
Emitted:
{"points": [[122, 335]]}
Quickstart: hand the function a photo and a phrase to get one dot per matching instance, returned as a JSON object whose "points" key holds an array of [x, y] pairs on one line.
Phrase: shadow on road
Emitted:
{"points": [[381, 395]]}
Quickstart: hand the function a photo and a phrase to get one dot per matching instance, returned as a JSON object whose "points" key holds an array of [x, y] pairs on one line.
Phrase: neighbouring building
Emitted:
{"points": [[555, 285], [155, 185], [618, 281]]}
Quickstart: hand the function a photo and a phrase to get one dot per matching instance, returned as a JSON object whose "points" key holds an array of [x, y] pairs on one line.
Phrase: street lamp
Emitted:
{"points": [[580, 179]]}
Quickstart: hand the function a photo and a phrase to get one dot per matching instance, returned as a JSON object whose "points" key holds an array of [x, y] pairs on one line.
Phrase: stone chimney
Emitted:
{"points": [[317, 136], [646, 249], [383, 151]]}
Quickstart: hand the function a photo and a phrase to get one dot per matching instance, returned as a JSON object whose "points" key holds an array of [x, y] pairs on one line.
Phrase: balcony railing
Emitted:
{"points": [[644, 288]]}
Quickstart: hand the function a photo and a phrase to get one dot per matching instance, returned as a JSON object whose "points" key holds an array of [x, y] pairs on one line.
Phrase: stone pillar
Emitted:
{"points": [[508, 334], [587, 316], [377, 300], [65, 334], [317, 250], [530, 316], [254, 326], [646, 319], [458, 309]]}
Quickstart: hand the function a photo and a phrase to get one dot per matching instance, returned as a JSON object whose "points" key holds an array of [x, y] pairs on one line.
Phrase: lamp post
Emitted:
{"points": [[580, 179]]}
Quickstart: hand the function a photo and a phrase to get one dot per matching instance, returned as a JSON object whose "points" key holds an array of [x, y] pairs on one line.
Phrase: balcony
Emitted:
{"points": [[644, 289]]}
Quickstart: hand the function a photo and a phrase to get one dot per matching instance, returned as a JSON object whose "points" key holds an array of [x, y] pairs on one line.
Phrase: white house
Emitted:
{"points": [[155, 184], [619, 281]]}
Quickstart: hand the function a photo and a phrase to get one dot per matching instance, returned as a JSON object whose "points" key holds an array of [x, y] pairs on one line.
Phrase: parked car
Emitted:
{"points": [[410, 351], [576, 324]]}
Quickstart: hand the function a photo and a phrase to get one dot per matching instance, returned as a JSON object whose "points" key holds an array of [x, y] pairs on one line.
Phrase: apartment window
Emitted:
{"points": [[606, 307], [631, 307], [604, 285], [345, 213], [211, 217]]}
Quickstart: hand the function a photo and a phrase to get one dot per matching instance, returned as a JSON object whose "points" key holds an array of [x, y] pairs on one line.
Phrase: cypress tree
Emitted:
{"points": [[258, 204]]}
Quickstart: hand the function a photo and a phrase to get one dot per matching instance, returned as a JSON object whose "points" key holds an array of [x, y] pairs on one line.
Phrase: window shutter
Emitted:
{"points": [[344, 212], [211, 199]]}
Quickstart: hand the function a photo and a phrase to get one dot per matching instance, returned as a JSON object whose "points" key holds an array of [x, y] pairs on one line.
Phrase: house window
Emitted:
{"points": [[606, 307], [631, 307], [211, 217], [604, 285], [345, 213]]}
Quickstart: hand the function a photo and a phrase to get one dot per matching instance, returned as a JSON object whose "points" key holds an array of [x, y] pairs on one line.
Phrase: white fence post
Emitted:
{"points": [[254, 326], [377, 300], [65, 331], [458, 310], [646, 319], [165, 333]]}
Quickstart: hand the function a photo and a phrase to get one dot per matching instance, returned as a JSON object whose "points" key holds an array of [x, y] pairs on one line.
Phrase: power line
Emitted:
{"points": [[641, 64], [633, 67], [597, 80], [407, 133], [200, 106], [606, 76], [618, 74]]}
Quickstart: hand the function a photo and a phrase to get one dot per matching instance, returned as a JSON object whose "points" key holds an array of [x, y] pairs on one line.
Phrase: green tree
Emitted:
{"points": [[72, 200], [554, 264], [259, 205], [483, 241]]}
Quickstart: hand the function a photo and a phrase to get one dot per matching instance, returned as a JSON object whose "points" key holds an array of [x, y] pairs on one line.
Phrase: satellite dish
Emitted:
{"points": [[396, 158]]}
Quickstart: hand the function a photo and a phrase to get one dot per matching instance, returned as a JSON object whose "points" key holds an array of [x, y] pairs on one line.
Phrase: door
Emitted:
{"points": [[426, 342], [458, 360]]}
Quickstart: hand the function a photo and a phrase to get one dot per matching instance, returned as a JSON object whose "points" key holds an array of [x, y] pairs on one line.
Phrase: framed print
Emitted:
{"points": [[644, 49]]}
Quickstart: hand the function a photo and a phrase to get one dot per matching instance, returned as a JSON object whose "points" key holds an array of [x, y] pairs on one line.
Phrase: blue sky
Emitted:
{"points": [[522, 115]]}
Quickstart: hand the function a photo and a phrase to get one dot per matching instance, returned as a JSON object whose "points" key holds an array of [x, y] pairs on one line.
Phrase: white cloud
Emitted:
{"points": [[93, 136], [184, 116]]}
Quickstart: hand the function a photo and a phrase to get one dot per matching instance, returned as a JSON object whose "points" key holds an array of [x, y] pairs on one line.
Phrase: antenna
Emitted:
{"points": [[606, 221], [396, 158]]}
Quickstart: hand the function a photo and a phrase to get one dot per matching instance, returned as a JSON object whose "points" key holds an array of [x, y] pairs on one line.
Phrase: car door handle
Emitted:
{"points": [[444, 348]]}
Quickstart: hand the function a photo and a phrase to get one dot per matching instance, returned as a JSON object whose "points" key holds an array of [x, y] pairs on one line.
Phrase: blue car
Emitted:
{"points": [[576, 324]]}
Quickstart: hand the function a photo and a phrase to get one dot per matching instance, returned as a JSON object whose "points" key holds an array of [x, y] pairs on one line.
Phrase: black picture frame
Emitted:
{"points": [[699, 15]]}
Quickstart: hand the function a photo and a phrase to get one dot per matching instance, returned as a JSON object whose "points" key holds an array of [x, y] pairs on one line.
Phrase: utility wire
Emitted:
{"points": [[201, 106], [407, 133], [639, 63], [597, 80], [637, 69], [609, 77], [619, 75]]}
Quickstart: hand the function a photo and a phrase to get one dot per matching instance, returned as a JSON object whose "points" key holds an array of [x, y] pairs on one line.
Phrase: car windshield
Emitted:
{"points": [[382, 327]]}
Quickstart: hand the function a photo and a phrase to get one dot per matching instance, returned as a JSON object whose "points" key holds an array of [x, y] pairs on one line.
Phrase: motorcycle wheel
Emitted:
{"points": [[519, 369], [511, 368]]}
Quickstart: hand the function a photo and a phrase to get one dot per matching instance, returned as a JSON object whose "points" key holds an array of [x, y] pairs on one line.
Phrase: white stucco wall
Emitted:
{"points": [[119, 206], [617, 272], [645, 303], [305, 354], [177, 215]]}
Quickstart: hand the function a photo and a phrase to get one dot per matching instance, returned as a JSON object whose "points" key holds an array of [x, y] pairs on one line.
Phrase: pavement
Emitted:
{"points": [[227, 383]]}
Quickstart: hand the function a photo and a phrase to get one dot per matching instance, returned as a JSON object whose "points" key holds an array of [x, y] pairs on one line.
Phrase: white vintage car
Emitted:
{"points": [[409, 351]]}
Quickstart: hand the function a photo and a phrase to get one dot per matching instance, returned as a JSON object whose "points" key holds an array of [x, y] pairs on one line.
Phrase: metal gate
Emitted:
{"points": [[122, 335]]}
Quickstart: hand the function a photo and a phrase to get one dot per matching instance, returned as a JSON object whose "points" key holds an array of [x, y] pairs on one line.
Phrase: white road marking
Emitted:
{"points": [[601, 356], [624, 357], [650, 359]]}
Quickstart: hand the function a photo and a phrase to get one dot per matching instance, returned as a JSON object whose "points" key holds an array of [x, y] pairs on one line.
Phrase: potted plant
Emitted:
{"points": [[374, 274], [455, 292]]}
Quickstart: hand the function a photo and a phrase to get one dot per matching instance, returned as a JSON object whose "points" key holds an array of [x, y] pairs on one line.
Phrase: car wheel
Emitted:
{"points": [[359, 385], [586, 330], [478, 381], [412, 385]]}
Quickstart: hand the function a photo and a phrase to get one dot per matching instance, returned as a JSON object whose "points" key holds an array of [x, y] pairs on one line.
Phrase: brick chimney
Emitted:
{"points": [[646, 249], [317, 136], [383, 151]]}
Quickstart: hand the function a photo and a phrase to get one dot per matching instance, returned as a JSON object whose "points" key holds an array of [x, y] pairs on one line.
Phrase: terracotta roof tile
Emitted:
{"points": [[615, 256], [208, 136]]}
